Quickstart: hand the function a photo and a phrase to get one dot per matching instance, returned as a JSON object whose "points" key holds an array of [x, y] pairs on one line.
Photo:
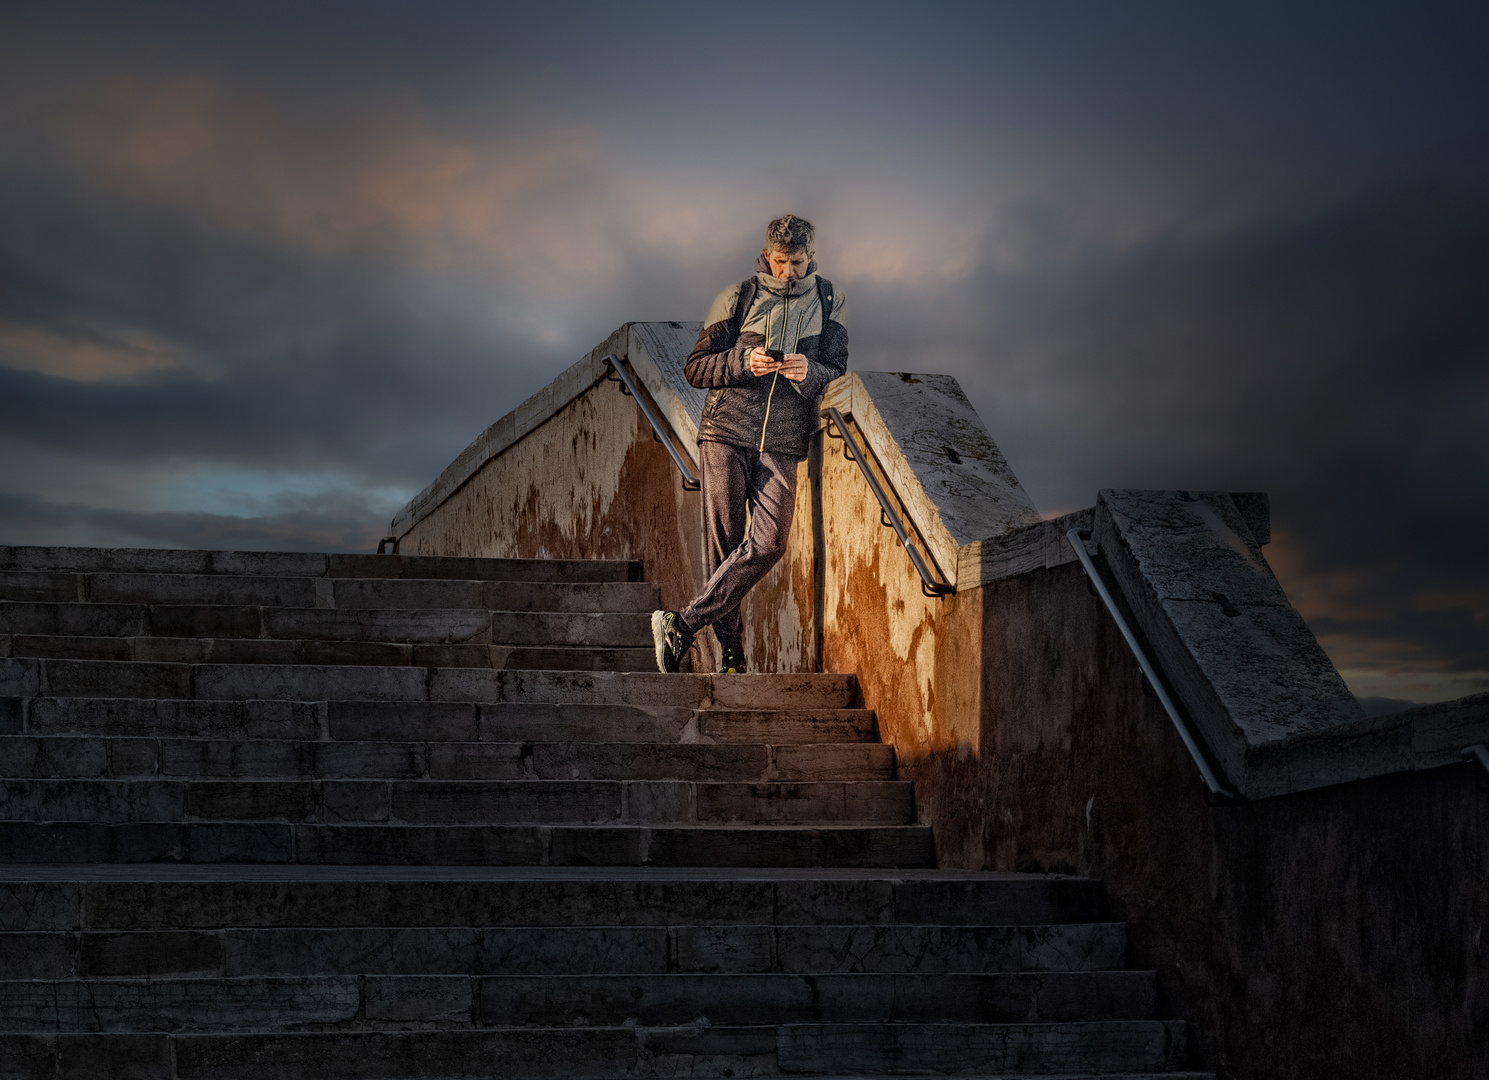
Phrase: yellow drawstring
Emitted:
{"points": [[771, 396]]}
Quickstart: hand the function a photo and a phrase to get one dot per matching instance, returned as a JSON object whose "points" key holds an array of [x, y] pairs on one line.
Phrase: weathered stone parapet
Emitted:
{"points": [[527, 417], [1413, 740], [939, 457], [1238, 655]]}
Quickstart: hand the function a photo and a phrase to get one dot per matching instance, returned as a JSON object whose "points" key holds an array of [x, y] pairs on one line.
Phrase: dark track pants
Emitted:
{"points": [[735, 557]]}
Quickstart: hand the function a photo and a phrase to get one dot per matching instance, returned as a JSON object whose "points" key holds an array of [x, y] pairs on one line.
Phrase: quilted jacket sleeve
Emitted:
{"points": [[718, 359]]}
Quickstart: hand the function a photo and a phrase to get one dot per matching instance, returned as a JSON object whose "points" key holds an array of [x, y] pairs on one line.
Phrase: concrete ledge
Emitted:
{"points": [[530, 414], [1237, 654], [938, 455], [1424, 737], [1033, 547]]}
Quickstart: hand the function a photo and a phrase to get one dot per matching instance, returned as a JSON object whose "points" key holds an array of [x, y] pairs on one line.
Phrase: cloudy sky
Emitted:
{"points": [[266, 267]]}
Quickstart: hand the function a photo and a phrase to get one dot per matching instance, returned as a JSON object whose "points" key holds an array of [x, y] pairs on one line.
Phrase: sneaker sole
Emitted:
{"points": [[659, 641]]}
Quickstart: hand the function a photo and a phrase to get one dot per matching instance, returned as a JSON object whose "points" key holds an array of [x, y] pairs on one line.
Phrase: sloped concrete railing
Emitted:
{"points": [[660, 429], [889, 515]]}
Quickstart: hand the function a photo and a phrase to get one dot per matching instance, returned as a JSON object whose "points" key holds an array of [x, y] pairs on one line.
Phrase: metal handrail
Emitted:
{"points": [[1218, 793], [887, 517], [659, 427]]}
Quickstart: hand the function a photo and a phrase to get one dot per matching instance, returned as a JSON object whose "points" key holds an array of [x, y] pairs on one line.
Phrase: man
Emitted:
{"points": [[769, 347]]}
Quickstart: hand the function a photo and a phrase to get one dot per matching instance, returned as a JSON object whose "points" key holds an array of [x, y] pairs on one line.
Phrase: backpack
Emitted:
{"points": [[749, 287]]}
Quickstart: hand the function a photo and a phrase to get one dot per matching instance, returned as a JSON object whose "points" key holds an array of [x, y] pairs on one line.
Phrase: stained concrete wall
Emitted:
{"points": [[565, 476], [1325, 932], [1330, 933]]}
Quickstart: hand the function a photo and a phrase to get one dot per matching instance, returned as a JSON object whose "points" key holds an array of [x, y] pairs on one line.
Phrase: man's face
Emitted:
{"points": [[788, 265]]}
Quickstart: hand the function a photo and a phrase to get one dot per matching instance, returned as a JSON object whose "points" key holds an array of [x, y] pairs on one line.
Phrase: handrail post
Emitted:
{"points": [[928, 583], [659, 427], [1217, 793]]}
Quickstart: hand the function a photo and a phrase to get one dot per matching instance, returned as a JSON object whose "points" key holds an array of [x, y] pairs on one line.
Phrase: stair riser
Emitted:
{"points": [[452, 802], [1121, 1048], [167, 718], [63, 756], [25, 678], [564, 902], [556, 656], [1078, 1048], [341, 594], [541, 613], [275, 1003], [570, 951], [811, 726], [310, 564], [440, 721], [467, 845]]}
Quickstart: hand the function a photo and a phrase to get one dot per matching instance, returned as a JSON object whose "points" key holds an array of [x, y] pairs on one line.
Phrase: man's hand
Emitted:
{"points": [[761, 363], [794, 366]]}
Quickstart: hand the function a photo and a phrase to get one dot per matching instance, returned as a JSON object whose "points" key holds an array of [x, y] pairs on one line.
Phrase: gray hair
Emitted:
{"points": [[791, 234]]}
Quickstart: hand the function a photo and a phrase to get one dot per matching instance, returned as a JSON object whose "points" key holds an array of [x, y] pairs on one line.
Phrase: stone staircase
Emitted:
{"points": [[323, 816]]}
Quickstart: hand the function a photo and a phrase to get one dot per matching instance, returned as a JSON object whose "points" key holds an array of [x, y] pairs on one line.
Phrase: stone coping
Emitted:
{"points": [[939, 458], [1422, 737]]}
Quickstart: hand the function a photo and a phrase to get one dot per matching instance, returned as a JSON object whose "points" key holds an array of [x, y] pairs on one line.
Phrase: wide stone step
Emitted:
{"points": [[241, 596], [429, 625], [61, 756], [432, 721], [310, 564], [29, 677], [439, 802], [287, 1003], [512, 721], [540, 656], [563, 950], [26, 842], [1116, 1049], [182, 897]]}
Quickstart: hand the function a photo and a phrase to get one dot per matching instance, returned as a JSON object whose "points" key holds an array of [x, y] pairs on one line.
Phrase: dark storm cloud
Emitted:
{"points": [[264, 269], [1340, 362]]}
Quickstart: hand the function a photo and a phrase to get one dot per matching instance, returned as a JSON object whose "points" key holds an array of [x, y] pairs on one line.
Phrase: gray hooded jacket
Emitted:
{"points": [[791, 314]]}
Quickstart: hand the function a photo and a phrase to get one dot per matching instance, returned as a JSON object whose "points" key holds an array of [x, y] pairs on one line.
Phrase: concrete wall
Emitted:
{"points": [[1334, 932], [586, 479]]}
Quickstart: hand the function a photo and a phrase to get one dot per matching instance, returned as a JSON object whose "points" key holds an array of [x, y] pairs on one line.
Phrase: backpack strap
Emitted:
{"points": [[742, 302], [749, 287]]}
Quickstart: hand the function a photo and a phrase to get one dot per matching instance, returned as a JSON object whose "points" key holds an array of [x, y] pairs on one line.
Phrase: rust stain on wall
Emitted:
{"points": [[589, 484]]}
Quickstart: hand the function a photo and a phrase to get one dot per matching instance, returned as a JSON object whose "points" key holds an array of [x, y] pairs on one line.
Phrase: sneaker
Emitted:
{"points": [[733, 662], [671, 640]]}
